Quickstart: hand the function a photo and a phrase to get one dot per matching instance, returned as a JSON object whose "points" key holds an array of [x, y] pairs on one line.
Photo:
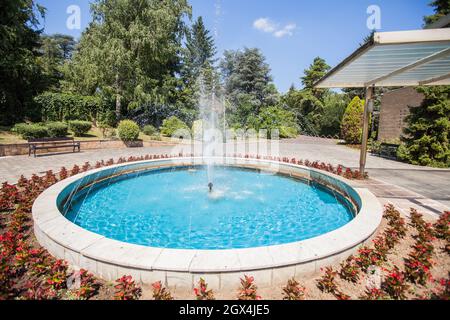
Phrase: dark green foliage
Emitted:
{"points": [[307, 109], [352, 123], [441, 8], [57, 129], [248, 84], [30, 131], [334, 106], [128, 130], [55, 50], [276, 118], [150, 130], [68, 106], [80, 128], [20, 75], [200, 51], [316, 71], [426, 136], [172, 126]]}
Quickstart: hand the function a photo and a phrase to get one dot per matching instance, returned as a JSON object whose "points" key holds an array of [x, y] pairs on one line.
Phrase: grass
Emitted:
{"points": [[7, 137]]}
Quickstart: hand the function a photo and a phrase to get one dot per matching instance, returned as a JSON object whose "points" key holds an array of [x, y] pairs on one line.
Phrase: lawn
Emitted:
{"points": [[7, 137]]}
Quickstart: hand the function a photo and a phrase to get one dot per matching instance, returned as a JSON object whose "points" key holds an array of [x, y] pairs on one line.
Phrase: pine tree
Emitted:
{"points": [[316, 71], [200, 49], [248, 83], [427, 134]]}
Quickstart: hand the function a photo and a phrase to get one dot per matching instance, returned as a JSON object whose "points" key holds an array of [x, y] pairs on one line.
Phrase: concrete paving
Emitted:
{"points": [[417, 185]]}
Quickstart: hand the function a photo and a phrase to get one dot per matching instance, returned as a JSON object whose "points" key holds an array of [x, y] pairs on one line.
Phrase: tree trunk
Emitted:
{"points": [[118, 100]]}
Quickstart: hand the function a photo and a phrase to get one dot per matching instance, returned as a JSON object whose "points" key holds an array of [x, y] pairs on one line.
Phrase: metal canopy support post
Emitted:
{"points": [[370, 92]]}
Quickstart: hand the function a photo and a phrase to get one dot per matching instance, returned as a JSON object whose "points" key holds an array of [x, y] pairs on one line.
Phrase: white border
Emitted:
{"points": [[111, 259]]}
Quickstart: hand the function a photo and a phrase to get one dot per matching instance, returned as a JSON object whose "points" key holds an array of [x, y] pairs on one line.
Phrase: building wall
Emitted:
{"points": [[394, 109]]}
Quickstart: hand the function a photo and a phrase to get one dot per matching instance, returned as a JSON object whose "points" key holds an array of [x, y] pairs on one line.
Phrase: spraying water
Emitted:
{"points": [[209, 109]]}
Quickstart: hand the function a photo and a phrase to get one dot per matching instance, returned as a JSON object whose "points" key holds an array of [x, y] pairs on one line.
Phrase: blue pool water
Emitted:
{"points": [[173, 209]]}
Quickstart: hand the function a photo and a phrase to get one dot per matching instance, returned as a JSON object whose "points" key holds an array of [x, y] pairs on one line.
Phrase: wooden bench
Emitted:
{"points": [[52, 143], [388, 151]]}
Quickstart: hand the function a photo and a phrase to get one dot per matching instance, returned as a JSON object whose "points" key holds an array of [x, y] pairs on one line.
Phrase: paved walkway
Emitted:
{"points": [[402, 184]]}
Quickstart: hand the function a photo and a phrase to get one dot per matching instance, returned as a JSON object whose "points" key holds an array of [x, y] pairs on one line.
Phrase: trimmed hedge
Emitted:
{"points": [[80, 128], [150, 130], [30, 131], [128, 130], [171, 125], [57, 129]]}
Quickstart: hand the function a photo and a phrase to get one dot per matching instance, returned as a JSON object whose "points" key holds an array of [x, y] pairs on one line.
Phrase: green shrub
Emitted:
{"points": [[68, 106], [128, 130], [171, 125], [80, 128], [276, 118], [30, 131], [352, 123], [108, 118], [150, 130], [57, 129]]}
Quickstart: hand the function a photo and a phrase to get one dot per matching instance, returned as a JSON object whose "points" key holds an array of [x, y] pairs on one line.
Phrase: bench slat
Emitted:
{"points": [[52, 143]]}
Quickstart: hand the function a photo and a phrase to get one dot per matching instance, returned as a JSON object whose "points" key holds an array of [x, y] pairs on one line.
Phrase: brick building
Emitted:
{"points": [[394, 108]]}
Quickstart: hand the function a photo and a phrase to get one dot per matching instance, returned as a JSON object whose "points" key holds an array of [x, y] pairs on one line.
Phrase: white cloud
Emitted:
{"points": [[265, 25], [268, 26], [288, 30]]}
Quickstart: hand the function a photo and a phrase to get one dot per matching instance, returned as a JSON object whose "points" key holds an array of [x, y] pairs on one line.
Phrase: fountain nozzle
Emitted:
{"points": [[210, 186]]}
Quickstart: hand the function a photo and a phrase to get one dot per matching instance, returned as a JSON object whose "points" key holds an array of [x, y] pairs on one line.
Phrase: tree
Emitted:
{"points": [[248, 83], [200, 50], [352, 123], [199, 71], [131, 52], [441, 9], [334, 106], [276, 118], [55, 50], [316, 71], [427, 134], [20, 75]]}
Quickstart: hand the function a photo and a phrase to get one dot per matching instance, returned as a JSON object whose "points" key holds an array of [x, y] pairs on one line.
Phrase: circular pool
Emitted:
{"points": [[173, 208], [157, 220]]}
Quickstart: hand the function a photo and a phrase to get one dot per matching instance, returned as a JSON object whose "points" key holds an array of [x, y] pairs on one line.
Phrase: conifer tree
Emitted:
{"points": [[427, 134]]}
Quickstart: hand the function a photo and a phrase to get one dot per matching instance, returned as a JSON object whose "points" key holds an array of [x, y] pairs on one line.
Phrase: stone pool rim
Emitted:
{"points": [[110, 258]]}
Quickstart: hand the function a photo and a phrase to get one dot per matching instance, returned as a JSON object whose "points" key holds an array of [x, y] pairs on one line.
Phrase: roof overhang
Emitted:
{"points": [[395, 59]]}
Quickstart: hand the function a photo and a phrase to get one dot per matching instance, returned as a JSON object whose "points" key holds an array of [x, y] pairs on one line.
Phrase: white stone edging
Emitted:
{"points": [[110, 258]]}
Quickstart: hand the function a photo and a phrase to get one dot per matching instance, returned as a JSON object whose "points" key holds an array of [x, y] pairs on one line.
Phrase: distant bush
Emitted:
{"points": [[150, 130], [352, 123], [171, 125], [80, 128], [30, 131], [276, 118], [128, 130], [57, 129]]}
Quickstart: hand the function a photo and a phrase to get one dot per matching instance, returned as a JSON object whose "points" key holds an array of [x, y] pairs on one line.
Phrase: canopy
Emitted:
{"points": [[395, 59]]}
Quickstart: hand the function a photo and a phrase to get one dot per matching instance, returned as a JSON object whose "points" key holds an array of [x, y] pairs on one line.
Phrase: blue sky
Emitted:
{"points": [[290, 33]]}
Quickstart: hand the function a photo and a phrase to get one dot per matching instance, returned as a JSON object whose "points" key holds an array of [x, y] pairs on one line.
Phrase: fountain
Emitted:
{"points": [[211, 136]]}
